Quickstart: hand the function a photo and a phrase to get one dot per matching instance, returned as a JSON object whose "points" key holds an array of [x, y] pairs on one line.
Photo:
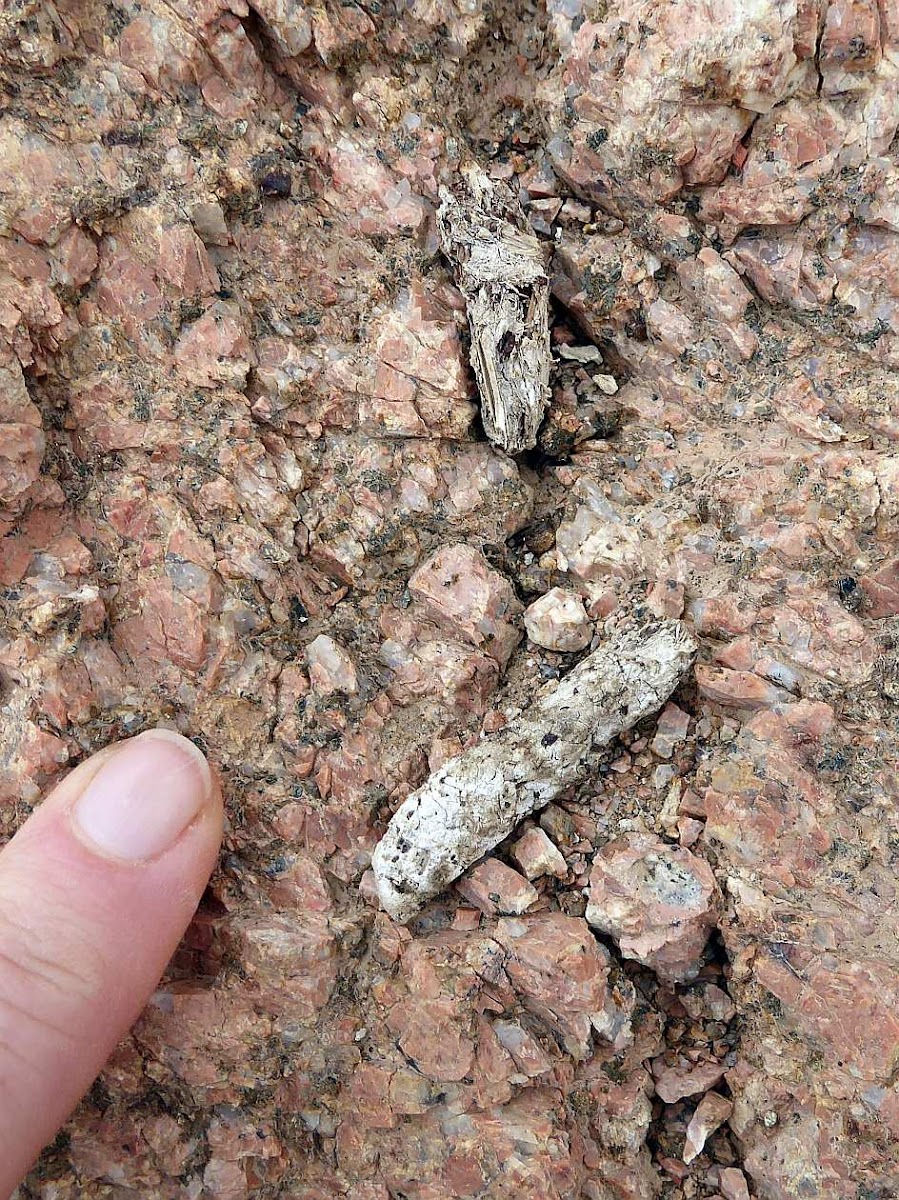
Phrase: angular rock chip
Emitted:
{"points": [[733, 1184], [537, 854], [711, 1113], [464, 594], [493, 887], [657, 901], [558, 621], [685, 1078], [330, 667], [561, 973]]}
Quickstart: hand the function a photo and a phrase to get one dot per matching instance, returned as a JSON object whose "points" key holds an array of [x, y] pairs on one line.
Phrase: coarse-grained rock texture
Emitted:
{"points": [[657, 901], [245, 491], [557, 621]]}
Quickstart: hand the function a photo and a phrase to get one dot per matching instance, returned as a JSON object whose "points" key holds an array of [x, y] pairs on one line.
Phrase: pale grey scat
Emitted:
{"points": [[520, 766]]}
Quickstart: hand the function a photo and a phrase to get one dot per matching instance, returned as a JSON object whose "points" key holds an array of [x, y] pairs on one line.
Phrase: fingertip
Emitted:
{"points": [[143, 798], [106, 873], [212, 785], [183, 744]]}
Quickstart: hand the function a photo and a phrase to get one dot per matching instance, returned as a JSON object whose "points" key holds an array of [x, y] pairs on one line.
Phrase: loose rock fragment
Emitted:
{"points": [[881, 590], [708, 1000], [558, 824], [472, 802], [597, 542], [739, 689], [464, 594], [501, 270], [330, 667], [666, 598], [670, 731], [580, 354], [711, 1113], [526, 1052], [561, 974], [657, 901], [538, 855], [558, 621], [733, 1184], [493, 887], [685, 1078], [209, 222]]}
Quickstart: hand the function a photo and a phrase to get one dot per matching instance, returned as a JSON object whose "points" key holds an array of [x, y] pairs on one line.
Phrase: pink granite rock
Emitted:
{"points": [[850, 40], [290, 960], [684, 1077], [739, 689], [560, 973], [422, 662], [882, 590], [557, 621], [597, 541], [526, 1052], [494, 888], [430, 1037], [419, 385], [331, 668], [462, 592], [537, 855], [21, 437], [671, 730], [733, 1185], [722, 616], [236, 417], [711, 1113], [665, 598], [708, 998], [659, 903]]}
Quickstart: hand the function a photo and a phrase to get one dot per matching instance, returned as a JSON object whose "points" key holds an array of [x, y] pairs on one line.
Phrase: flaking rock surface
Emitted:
{"points": [[245, 491]]}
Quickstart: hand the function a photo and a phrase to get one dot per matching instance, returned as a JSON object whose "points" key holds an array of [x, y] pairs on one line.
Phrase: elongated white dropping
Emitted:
{"points": [[474, 801]]}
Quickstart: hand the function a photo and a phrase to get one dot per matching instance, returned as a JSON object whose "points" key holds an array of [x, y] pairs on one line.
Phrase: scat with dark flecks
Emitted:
{"points": [[475, 800]]}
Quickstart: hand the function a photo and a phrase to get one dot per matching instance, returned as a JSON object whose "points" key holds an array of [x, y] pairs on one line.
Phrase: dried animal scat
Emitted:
{"points": [[474, 801], [501, 270]]}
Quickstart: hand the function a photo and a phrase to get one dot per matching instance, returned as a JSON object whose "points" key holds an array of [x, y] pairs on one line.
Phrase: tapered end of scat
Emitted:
{"points": [[397, 900]]}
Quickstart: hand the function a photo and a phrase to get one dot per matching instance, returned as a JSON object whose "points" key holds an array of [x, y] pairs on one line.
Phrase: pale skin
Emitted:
{"points": [[96, 890]]}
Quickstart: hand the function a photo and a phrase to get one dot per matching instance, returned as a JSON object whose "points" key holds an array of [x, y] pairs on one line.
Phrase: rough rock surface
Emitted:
{"points": [[236, 418], [494, 887], [657, 901], [537, 854], [557, 621]]}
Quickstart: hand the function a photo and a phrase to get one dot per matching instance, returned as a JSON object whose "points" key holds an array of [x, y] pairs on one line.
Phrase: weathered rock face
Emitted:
{"points": [[493, 887], [557, 621], [537, 854], [657, 901], [458, 589], [244, 490]]}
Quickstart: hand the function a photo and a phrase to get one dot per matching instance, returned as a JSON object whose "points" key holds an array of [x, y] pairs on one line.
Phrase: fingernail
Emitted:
{"points": [[141, 800]]}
